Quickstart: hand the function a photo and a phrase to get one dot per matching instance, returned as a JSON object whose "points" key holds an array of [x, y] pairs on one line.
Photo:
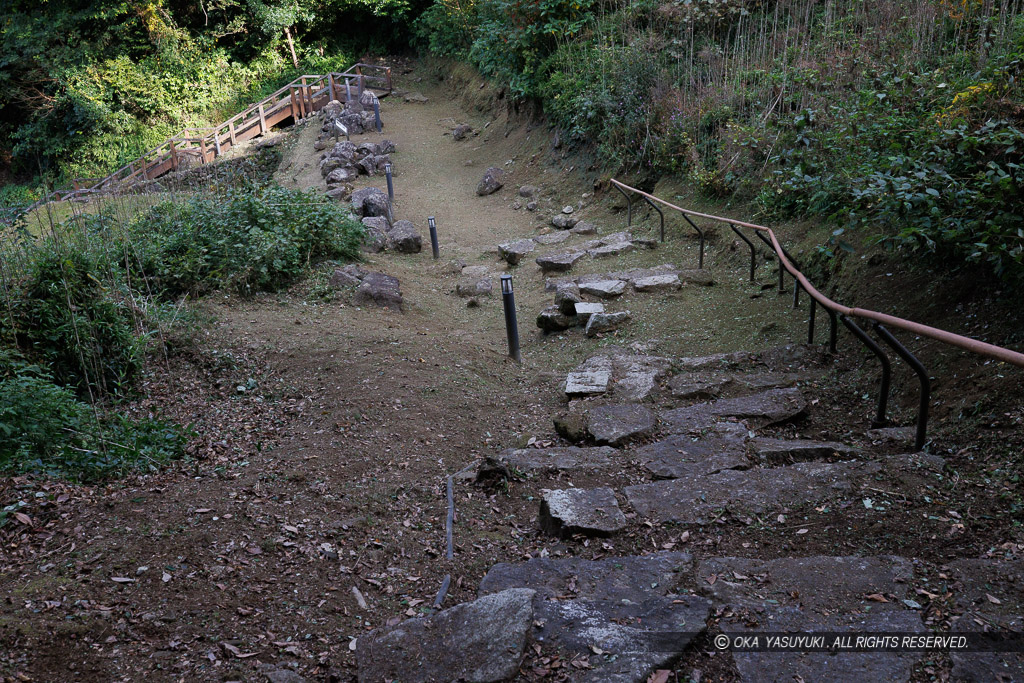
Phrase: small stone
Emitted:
{"points": [[531, 206], [342, 174], [513, 252], [603, 289], [472, 287], [559, 263], [606, 322], [587, 383], [528, 191], [516, 205], [553, 320], [592, 512], [415, 98], [566, 298], [657, 283], [493, 180], [586, 309], [618, 425], [461, 131], [567, 209]]}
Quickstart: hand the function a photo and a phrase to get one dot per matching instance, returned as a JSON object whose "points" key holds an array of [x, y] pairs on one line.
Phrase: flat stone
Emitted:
{"points": [[480, 641], [587, 383], [553, 320], [564, 458], [566, 298], [584, 310], [474, 287], [552, 238], [657, 283], [680, 456], [815, 584], [592, 512], [757, 410], [513, 252], [825, 666], [616, 238], [567, 209], [618, 425], [632, 578], [700, 499], [606, 322], [897, 435], [717, 361], [584, 228], [698, 277], [380, 290], [758, 381], [415, 98], [693, 386], [610, 250], [786, 451], [637, 376], [475, 271], [604, 289], [559, 262]]}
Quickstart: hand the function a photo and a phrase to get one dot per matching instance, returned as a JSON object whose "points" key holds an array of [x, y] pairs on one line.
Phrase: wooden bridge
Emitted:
{"points": [[297, 100]]}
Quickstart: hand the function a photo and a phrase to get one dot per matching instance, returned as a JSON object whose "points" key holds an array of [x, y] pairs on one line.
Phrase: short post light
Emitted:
{"points": [[511, 326], [433, 236]]}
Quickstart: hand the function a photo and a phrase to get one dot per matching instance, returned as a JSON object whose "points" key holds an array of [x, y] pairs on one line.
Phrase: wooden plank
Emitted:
{"points": [[279, 116]]}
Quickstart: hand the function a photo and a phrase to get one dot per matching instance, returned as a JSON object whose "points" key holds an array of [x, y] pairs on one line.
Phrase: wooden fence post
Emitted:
{"points": [[216, 140], [231, 132], [174, 157], [202, 148], [263, 121]]}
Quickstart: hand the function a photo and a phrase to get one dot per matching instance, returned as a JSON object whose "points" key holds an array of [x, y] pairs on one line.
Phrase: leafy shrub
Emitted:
{"points": [[46, 430], [246, 240]]}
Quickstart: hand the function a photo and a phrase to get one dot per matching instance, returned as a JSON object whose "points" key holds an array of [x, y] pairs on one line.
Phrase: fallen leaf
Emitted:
{"points": [[993, 599], [122, 579], [876, 597], [238, 653], [802, 531], [23, 518], [659, 676]]}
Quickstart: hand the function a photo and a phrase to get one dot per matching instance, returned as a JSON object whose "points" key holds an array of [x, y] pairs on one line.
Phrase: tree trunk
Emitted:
{"points": [[291, 46]]}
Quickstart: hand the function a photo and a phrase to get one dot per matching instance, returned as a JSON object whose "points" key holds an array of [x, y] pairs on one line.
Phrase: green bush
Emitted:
{"points": [[246, 240], [45, 429]]}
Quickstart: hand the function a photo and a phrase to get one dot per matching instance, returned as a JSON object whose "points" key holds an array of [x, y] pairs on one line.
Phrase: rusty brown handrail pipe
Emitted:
{"points": [[973, 345]]}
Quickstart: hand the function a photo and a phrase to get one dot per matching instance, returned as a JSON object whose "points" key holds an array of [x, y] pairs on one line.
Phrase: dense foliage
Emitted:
{"points": [[81, 305], [87, 85], [900, 120]]}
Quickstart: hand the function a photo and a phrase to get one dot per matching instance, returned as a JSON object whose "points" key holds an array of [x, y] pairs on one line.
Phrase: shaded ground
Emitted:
{"points": [[326, 431]]}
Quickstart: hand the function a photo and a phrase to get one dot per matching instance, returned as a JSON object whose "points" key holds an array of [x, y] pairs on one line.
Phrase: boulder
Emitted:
{"points": [[553, 320], [559, 263], [377, 205], [528, 191], [360, 198], [340, 278], [587, 382], [339, 193], [513, 252], [566, 298], [415, 98], [367, 149], [606, 322], [386, 147], [380, 290], [342, 174], [551, 238], [330, 164], [493, 180], [564, 222], [584, 228], [346, 151], [405, 238]]}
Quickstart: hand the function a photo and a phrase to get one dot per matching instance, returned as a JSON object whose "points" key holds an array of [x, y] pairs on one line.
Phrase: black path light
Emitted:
{"points": [[511, 326], [391, 186], [433, 236]]}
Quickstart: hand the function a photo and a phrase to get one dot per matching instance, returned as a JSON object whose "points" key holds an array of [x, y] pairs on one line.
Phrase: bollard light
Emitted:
{"points": [[511, 326], [376, 113], [391, 187], [433, 236]]}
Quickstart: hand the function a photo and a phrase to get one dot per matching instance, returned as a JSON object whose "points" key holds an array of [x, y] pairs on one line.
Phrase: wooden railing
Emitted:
{"points": [[297, 100]]}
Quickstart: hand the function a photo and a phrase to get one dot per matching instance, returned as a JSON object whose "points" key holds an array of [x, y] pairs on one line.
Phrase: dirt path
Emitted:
{"points": [[337, 425]]}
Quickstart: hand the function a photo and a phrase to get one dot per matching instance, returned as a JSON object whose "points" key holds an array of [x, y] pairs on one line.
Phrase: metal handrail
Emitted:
{"points": [[967, 343]]}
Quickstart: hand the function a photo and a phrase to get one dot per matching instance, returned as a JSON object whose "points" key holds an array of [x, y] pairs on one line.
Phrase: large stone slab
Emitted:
{"points": [[757, 410], [559, 459], [479, 641], [681, 456], [599, 323], [637, 376], [592, 512], [604, 289], [632, 578], [585, 309], [615, 249], [700, 499], [552, 238], [619, 425], [692, 385], [786, 451], [825, 666], [587, 383], [821, 584], [657, 283], [515, 251], [717, 361], [559, 262]]}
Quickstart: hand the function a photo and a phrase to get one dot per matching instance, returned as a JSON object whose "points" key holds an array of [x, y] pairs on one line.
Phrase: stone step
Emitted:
{"points": [[631, 376], [700, 499], [618, 425], [682, 457], [756, 410], [785, 451], [563, 458], [620, 617], [591, 512]]}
